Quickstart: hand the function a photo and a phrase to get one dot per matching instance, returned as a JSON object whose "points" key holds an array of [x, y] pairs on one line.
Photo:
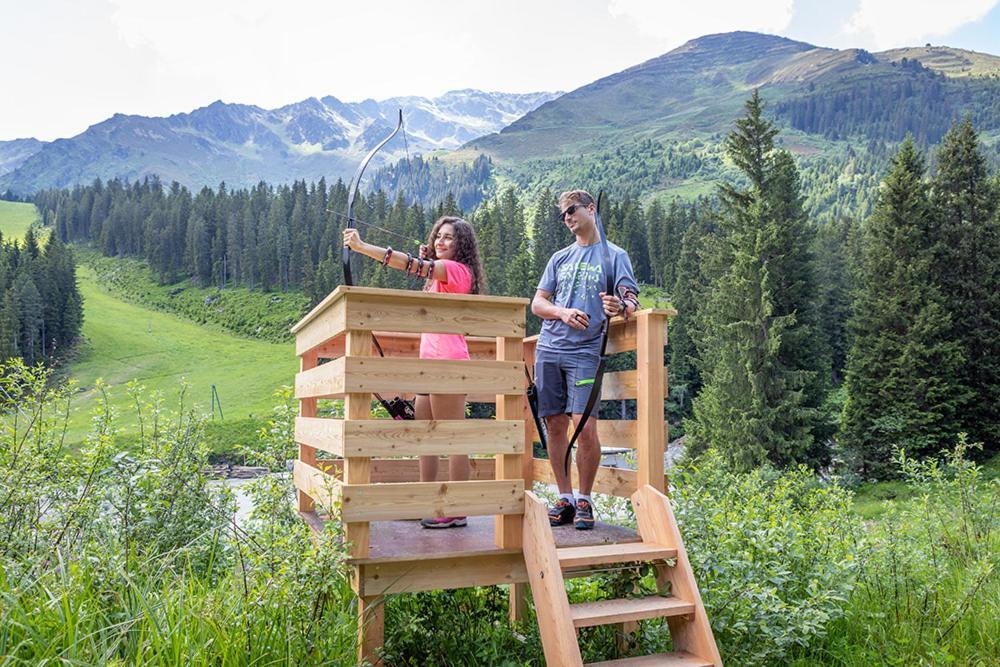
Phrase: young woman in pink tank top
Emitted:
{"points": [[455, 269]]}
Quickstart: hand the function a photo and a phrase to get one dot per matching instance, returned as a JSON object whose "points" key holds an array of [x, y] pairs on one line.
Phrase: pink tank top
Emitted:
{"points": [[448, 346]]}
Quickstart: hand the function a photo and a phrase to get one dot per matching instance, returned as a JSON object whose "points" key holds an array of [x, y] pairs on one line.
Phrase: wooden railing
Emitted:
{"points": [[364, 482], [646, 333]]}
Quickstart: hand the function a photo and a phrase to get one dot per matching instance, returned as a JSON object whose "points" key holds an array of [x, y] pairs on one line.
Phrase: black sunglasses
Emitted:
{"points": [[570, 210]]}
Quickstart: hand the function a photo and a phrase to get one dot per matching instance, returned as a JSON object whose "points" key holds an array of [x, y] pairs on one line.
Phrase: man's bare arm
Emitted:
{"points": [[543, 307]]}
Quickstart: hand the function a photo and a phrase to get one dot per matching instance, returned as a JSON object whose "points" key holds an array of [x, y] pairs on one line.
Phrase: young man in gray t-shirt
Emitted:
{"points": [[572, 304]]}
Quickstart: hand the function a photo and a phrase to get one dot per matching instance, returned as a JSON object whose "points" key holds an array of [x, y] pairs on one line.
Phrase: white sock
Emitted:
{"points": [[568, 497], [587, 498]]}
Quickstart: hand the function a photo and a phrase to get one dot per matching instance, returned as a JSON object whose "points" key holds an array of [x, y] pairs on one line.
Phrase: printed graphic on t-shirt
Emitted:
{"points": [[578, 278]]}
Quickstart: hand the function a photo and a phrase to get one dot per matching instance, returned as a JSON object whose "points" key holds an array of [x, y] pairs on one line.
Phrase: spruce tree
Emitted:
{"points": [[548, 234], [689, 291], [903, 368], [758, 339], [835, 247], [965, 204]]}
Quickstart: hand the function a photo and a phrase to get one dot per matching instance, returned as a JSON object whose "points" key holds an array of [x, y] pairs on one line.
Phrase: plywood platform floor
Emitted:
{"points": [[408, 540]]}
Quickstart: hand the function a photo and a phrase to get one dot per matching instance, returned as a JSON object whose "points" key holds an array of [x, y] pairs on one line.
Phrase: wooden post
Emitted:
{"points": [[649, 399], [517, 595], [357, 469], [307, 408], [529, 425], [508, 527], [371, 628]]}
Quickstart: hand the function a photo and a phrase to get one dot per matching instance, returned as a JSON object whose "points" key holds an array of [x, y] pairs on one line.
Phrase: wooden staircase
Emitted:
{"points": [[661, 541]]}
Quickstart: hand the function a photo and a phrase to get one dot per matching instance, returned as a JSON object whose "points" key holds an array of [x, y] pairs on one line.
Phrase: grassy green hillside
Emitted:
{"points": [[949, 61], [124, 342], [15, 218]]}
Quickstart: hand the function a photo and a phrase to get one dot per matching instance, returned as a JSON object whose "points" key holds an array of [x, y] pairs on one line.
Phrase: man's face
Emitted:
{"points": [[576, 216]]}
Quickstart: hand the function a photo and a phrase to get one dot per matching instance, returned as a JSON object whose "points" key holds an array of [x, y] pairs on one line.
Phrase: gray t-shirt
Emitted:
{"points": [[575, 277]]}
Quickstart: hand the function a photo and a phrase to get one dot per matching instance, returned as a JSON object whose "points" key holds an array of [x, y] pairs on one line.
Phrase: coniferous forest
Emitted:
{"points": [[41, 312]]}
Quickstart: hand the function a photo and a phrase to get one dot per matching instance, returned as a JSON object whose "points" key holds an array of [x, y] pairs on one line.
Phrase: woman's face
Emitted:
{"points": [[444, 241]]}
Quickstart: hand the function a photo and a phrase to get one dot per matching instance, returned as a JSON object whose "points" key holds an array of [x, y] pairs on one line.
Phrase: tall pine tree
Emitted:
{"points": [[965, 203], [758, 341], [903, 368]]}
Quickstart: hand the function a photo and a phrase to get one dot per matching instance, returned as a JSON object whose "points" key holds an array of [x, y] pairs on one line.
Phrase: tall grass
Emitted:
{"points": [[112, 557], [928, 580]]}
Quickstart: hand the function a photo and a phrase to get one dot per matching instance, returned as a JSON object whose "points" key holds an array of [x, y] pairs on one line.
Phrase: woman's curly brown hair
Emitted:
{"points": [[466, 250]]}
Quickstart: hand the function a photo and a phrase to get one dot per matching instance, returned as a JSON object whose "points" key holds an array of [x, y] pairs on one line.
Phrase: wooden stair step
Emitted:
{"points": [[627, 609], [672, 659], [603, 554]]}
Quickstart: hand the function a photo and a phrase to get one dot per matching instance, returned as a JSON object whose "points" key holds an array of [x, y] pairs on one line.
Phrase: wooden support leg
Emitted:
{"points": [[508, 528], [358, 470], [371, 628], [307, 408], [650, 438], [518, 601], [625, 632]]}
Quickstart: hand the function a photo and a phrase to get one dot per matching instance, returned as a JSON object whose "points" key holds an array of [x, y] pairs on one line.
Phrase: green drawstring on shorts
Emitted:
{"points": [[580, 383]]}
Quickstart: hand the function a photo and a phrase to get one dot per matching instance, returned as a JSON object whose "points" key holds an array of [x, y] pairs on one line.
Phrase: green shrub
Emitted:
{"points": [[773, 554], [460, 627]]}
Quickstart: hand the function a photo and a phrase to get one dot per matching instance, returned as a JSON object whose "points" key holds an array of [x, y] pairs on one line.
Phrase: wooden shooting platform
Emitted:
{"points": [[367, 476]]}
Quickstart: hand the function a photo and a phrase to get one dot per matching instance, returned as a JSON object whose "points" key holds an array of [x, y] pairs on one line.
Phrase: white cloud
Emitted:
{"points": [[892, 23], [76, 62], [680, 21]]}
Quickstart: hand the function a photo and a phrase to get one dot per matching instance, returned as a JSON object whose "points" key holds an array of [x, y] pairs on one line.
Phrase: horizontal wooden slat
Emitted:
{"points": [[614, 432], [622, 335], [352, 293], [417, 500], [326, 381], [434, 574], [604, 612], [318, 485], [408, 470], [384, 437], [325, 325], [390, 376], [406, 345], [369, 309], [613, 481], [603, 554], [669, 659], [622, 385], [398, 310]]}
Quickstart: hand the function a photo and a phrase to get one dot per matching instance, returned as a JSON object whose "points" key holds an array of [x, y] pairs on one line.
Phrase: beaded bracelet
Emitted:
{"points": [[430, 269], [388, 256], [409, 264]]}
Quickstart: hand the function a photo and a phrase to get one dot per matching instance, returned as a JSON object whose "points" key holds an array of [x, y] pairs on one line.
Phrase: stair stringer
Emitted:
{"points": [[548, 588], [658, 525]]}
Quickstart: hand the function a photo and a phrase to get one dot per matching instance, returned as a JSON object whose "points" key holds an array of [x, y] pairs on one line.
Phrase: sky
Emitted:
{"points": [[68, 64]]}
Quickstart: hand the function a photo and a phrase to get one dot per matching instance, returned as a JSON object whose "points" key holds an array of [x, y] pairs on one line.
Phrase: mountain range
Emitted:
{"points": [[656, 130], [244, 144], [652, 130], [698, 88]]}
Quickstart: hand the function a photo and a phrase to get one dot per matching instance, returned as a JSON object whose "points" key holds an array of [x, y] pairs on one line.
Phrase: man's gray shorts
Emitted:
{"points": [[564, 380]]}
